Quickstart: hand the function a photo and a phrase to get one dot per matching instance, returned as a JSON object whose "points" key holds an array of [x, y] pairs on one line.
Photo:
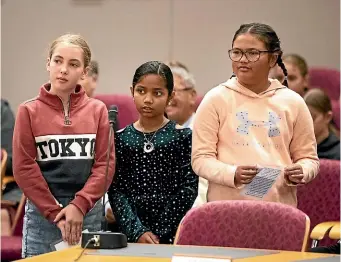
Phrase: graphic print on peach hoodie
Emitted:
{"points": [[235, 126]]}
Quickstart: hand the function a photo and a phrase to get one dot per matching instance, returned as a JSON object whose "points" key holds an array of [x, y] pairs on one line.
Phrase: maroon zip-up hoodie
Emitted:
{"points": [[60, 158]]}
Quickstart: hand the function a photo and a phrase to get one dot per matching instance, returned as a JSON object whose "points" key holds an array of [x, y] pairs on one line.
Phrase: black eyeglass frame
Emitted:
{"points": [[246, 52]]}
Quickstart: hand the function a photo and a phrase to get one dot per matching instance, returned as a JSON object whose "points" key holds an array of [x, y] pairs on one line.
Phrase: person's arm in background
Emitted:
{"points": [[204, 147], [109, 215], [7, 129]]}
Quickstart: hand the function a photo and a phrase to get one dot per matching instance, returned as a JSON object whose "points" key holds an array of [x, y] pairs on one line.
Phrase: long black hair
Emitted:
{"points": [[268, 36]]}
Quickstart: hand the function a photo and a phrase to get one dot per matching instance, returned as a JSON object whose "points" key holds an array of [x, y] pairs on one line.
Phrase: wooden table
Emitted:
{"points": [[69, 255]]}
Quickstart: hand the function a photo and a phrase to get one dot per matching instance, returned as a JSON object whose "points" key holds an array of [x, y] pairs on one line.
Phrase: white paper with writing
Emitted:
{"points": [[262, 182]]}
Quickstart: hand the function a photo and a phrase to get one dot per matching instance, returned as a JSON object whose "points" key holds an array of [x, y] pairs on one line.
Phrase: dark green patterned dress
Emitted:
{"points": [[152, 191]]}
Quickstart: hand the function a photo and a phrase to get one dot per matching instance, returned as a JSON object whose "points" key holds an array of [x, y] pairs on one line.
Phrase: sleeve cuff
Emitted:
{"points": [[229, 176], [51, 216], [140, 233], [82, 204]]}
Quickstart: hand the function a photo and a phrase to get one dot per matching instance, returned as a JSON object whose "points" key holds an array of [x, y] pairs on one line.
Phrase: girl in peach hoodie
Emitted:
{"points": [[252, 121]]}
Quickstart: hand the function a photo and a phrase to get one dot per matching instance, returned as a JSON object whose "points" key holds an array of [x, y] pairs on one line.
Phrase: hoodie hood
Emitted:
{"points": [[234, 85]]}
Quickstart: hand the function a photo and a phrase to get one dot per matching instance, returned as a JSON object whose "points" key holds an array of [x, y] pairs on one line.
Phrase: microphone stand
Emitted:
{"points": [[104, 223], [105, 239]]}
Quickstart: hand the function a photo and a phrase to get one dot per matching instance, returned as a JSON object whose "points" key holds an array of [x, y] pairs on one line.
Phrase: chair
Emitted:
{"points": [[127, 112], [328, 80], [320, 199], [4, 179], [336, 113], [245, 224], [11, 245], [320, 231], [3, 166]]}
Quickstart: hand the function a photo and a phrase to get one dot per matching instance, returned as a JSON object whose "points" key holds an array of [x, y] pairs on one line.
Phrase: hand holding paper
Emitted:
{"points": [[262, 182], [245, 174], [294, 174]]}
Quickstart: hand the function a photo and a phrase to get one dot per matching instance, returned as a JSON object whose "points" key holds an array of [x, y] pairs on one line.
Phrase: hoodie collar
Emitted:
{"points": [[76, 98], [234, 84]]}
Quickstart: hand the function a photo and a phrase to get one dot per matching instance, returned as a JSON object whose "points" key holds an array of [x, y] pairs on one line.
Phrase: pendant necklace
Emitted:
{"points": [[149, 146]]}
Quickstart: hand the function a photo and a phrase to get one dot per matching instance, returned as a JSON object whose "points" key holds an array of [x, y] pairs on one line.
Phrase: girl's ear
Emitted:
{"points": [[273, 59], [85, 72], [170, 98], [329, 116], [48, 64]]}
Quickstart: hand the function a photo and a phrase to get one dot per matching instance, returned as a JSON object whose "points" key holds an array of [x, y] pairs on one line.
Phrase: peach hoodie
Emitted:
{"points": [[235, 126]]}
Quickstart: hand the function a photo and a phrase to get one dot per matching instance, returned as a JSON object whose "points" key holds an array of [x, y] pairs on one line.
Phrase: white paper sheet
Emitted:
{"points": [[262, 182], [60, 245], [180, 258]]}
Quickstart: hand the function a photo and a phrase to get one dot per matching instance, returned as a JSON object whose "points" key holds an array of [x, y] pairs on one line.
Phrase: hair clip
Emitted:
{"points": [[285, 78]]}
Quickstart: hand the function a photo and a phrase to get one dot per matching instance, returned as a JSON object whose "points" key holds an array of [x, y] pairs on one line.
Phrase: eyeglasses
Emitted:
{"points": [[183, 89], [252, 55]]}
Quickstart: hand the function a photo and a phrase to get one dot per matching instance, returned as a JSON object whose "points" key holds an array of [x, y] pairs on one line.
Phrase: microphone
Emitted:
{"points": [[113, 120], [105, 239]]}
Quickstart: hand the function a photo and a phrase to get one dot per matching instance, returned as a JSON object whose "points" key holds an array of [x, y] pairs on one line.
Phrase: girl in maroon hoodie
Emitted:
{"points": [[59, 152]]}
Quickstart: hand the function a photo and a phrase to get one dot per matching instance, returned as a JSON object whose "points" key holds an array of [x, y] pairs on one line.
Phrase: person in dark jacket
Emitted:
{"points": [[11, 192]]}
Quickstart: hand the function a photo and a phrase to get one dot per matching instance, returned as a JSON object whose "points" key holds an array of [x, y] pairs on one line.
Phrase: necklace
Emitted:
{"points": [[149, 146]]}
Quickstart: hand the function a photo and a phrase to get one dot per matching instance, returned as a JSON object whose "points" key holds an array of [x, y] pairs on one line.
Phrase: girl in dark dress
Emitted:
{"points": [[154, 184]]}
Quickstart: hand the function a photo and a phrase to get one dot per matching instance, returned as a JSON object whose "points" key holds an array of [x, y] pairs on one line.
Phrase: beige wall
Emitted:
{"points": [[125, 33]]}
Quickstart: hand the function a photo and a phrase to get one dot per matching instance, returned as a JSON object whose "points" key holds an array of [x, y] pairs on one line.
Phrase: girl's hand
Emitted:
{"points": [[294, 174], [245, 174], [148, 238], [73, 223]]}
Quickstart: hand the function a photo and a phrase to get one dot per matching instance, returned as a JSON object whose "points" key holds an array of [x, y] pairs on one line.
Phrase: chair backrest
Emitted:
{"points": [[245, 224], [18, 221], [328, 80], [336, 113], [3, 165], [320, 199], [127, 112]]}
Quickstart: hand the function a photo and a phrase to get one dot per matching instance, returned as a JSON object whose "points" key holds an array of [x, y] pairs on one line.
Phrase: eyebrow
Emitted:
{"points": [[73, 60], [248, 49], [157, 88]]}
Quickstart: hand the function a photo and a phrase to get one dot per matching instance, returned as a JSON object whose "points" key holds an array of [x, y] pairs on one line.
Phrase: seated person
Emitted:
{"points": [[154, 184], [182, 107], [182, 111], [333, 249], [328, 144], [12, 192], [89, 83], [297, 73]]}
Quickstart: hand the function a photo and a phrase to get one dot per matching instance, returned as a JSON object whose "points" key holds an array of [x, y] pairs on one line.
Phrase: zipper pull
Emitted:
{"points": [[67, 121]]}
